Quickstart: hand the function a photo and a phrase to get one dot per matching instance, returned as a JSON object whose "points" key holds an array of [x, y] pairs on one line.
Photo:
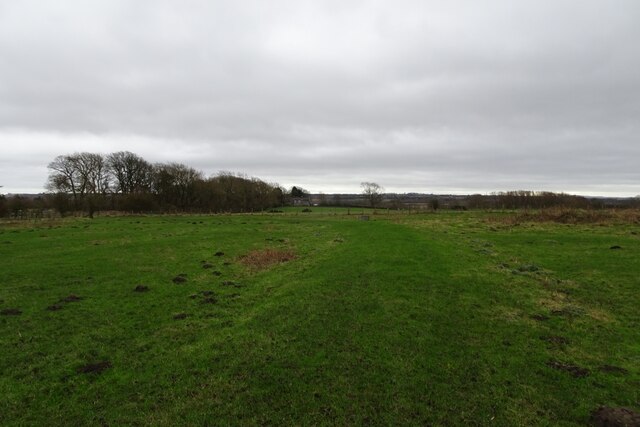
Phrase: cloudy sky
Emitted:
{"points": [[431, 96]]}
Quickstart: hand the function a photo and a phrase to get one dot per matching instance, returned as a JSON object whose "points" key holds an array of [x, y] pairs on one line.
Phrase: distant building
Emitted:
{"points": [[301, 201]]}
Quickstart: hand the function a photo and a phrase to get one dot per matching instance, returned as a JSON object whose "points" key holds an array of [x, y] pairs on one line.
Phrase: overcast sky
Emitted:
{"points": [[446, 97]]}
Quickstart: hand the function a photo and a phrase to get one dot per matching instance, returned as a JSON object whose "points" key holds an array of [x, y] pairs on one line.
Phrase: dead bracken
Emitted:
{"points": [[265, 258]]}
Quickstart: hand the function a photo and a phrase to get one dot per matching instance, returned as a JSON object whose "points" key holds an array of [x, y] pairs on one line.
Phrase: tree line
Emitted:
{"points": [[124, 181]]}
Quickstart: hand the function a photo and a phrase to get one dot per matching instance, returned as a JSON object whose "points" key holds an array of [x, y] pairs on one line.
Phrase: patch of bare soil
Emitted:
{"points": [[265, 258], [610, 369], [180, 278], [54, 307], [540, 317], [555, 340], [11, 312], [207, 265], [94, 368], [575, 371], [141, 288], [219, 253], [216, 273], [71, 298], [180, 316], [606, 416], [230, 283]]}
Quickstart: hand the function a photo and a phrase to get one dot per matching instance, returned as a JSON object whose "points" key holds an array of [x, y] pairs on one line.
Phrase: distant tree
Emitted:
{"points": [[298, 192], [372, 192], [434, 203], [130, 172], [175, 185], [82, 175], [3, 205]]}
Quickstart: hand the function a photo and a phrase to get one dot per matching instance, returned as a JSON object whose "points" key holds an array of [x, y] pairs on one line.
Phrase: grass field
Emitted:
{"points": [[457, 318]]}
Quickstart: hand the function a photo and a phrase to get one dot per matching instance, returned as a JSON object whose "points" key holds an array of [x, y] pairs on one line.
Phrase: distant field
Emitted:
{"points": [[449, 318]]}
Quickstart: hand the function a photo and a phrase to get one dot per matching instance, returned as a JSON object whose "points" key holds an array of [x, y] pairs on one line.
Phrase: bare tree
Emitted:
{"points": [[83, 175], [175, 184], [372, 192], [130, 172]]}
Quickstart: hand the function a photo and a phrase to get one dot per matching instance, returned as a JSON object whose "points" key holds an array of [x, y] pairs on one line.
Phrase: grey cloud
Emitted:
{"points": [[459, 95]]}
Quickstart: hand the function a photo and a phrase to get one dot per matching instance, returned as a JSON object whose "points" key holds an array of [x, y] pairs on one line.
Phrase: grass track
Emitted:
{"points": [[400, 320]]}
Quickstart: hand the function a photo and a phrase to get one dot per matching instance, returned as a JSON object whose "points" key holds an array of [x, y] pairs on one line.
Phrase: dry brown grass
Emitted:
{"points": [[262, 259]]}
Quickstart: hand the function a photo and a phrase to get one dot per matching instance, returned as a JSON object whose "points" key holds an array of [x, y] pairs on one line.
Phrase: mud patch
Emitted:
{"points": [[610, 369], [219, 253], [94, 368], [180, 316], [54, 307], [606, 416], [10, 312], [216, 273], [207, 265], [180, 278], [72, 298], [265, 258], [615, 247], [540, 317], [141, 288], [574, 370]]}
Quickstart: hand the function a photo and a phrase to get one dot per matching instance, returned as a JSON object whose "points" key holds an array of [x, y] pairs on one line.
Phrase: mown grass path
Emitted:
{"points": [[437, 319]]}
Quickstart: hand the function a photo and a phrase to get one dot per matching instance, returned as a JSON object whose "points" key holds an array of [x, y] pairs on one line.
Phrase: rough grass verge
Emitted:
{"points": [[573, 216]]}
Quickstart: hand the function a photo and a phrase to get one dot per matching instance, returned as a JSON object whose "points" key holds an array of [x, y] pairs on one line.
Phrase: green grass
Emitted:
{"points": [[403, 319]]}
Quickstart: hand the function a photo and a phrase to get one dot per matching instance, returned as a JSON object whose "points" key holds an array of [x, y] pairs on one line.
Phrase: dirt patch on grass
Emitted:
{"points": [[71, 298], [94, 368], [54, 307], [606, 416], [574, 370], [610, 369], [141, 288], [180, 316], [540, 317], [180, 278], [265, 258], [10, 312], [231, 283]]}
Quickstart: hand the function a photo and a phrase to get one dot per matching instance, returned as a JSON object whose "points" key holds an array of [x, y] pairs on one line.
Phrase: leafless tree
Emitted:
{"points": [[372, 192], [131, 173], [83, 175]]}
